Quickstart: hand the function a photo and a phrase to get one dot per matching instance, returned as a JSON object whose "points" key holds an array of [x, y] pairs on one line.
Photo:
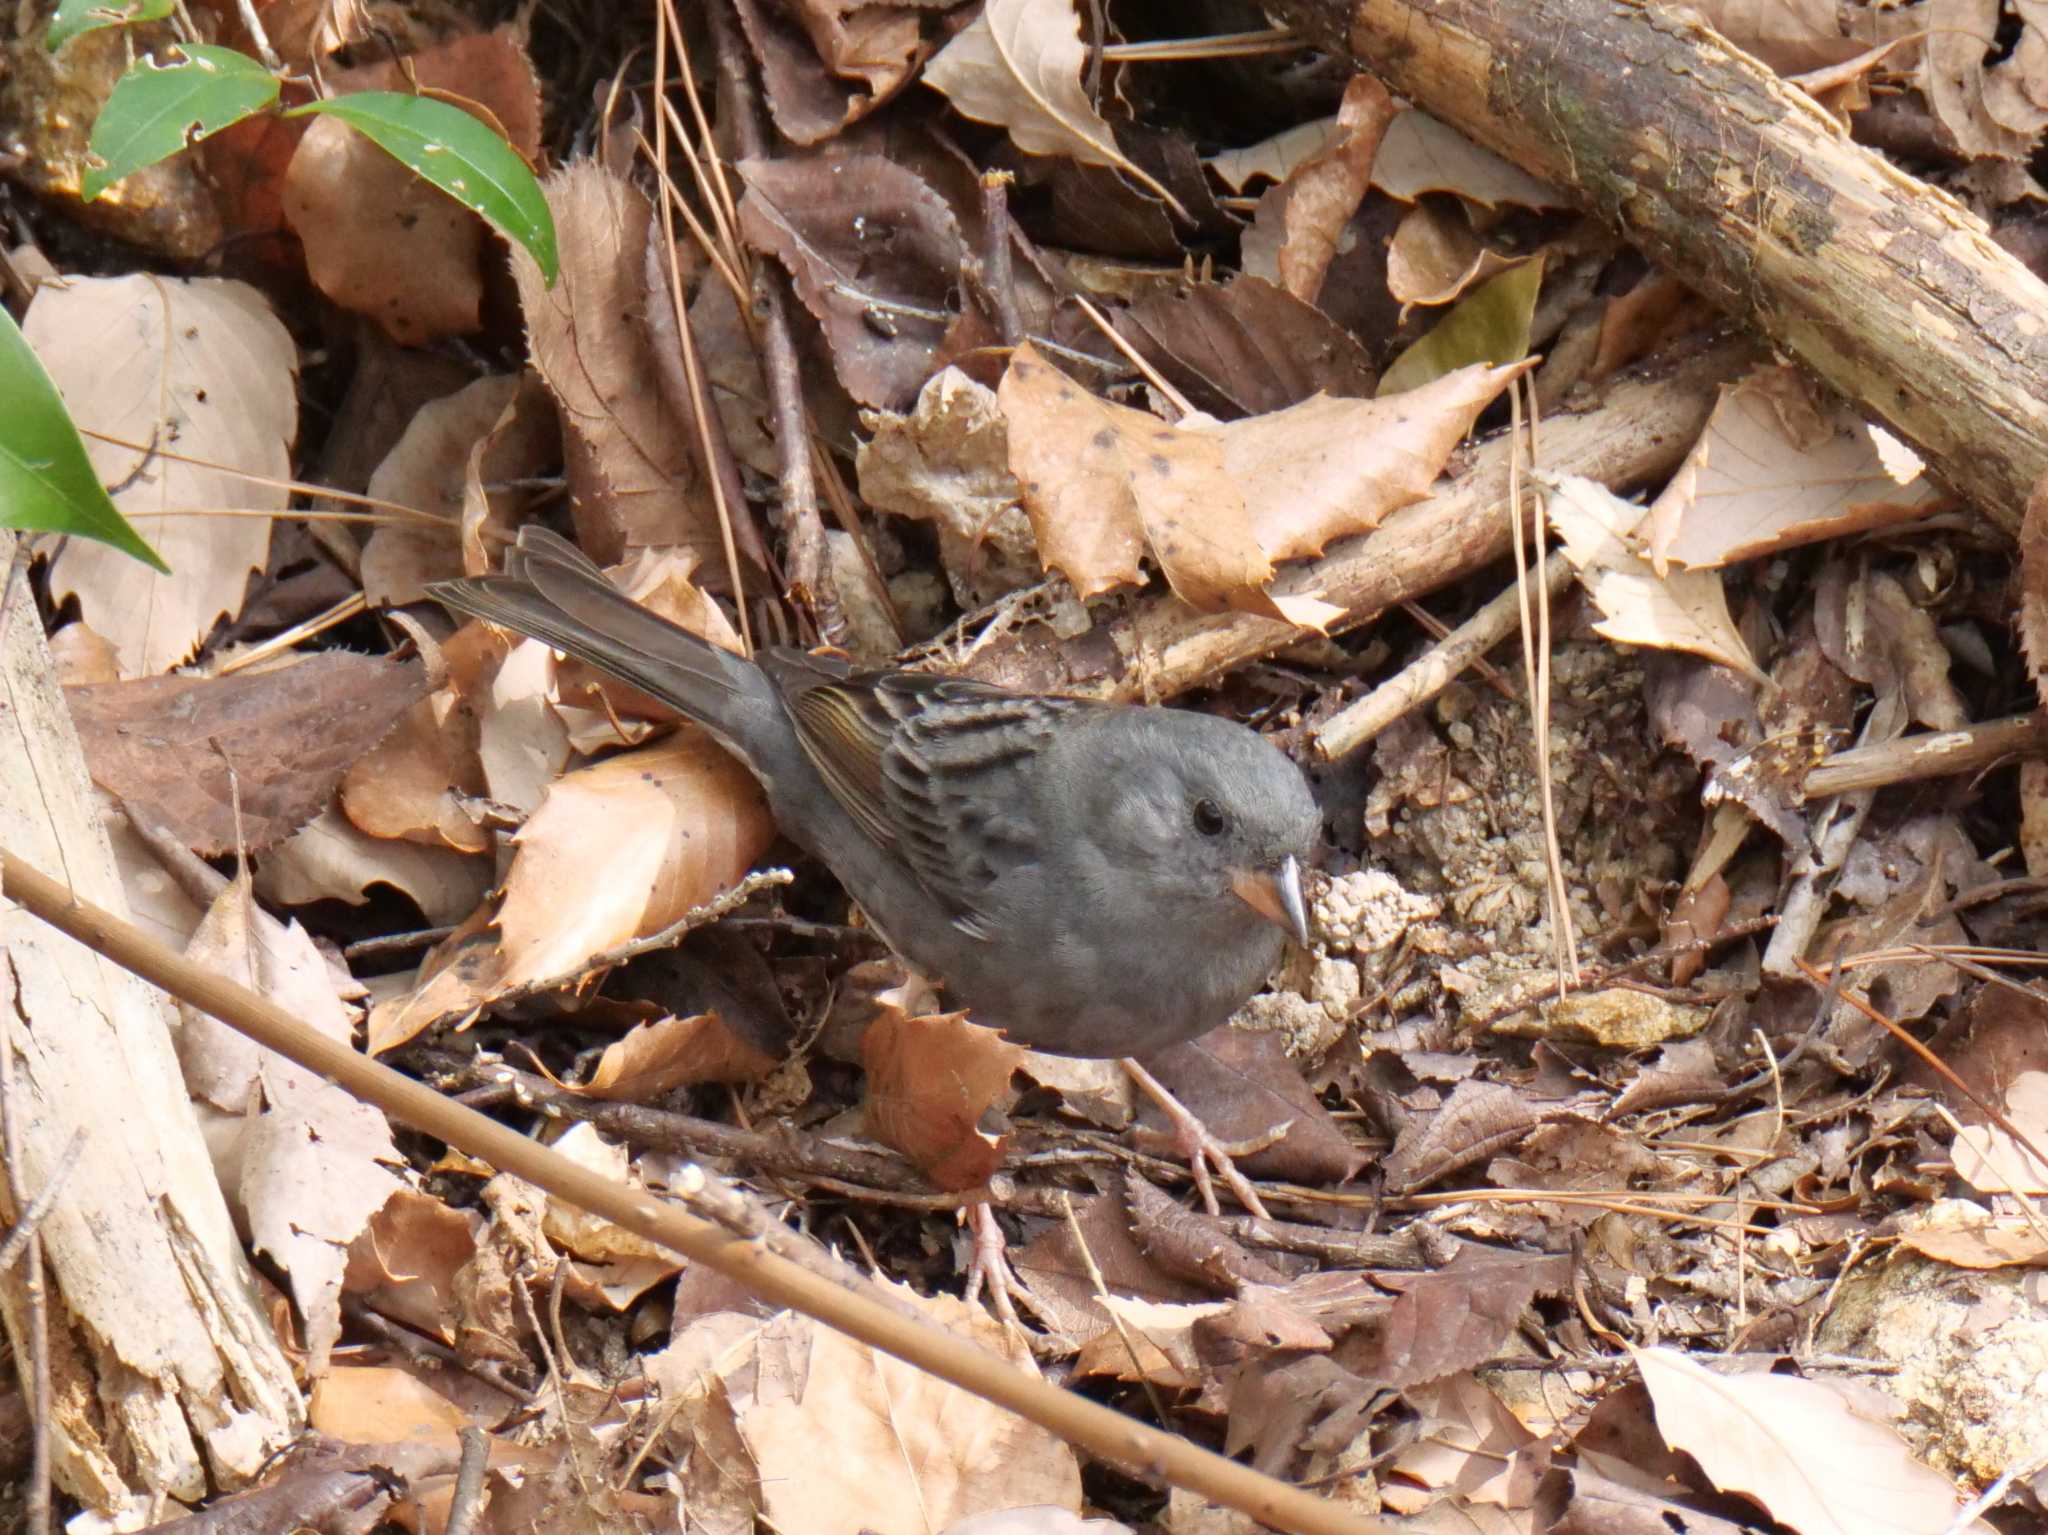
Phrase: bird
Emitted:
{"points": [[1090, 878]]}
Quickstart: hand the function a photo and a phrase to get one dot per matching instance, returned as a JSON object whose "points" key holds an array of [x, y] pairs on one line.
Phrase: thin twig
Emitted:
{"points": [[468, 1499], [809, 566]]}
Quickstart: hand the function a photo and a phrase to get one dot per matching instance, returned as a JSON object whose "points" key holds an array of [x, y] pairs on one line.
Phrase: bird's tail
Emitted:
{"points": [[552, 591]]}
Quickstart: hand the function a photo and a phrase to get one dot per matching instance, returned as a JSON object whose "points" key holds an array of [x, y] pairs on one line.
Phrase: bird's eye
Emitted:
{"points": [[1209, 818]]}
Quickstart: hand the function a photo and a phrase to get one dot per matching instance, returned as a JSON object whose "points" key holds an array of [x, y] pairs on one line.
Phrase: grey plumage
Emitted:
{"points": [[1088, 877]]}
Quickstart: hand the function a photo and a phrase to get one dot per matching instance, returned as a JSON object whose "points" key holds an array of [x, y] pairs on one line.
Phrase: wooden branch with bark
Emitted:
{"points": [[1739, 184]]}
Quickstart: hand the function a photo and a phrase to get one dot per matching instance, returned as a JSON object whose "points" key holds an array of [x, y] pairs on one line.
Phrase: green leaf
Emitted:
{"points": [[75, 18], [460, 154], [1490, 324], [46, 481], [155, 110]]}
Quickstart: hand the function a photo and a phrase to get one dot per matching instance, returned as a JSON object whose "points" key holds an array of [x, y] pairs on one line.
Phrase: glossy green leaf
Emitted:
{"points": [[47, 483], [155, 110], [460, 154], [1490, 325], [75, 18]]}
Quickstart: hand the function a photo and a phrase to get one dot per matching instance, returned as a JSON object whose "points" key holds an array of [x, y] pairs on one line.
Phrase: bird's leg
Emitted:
{"points": [[1198, 1146], [991, 1264]]}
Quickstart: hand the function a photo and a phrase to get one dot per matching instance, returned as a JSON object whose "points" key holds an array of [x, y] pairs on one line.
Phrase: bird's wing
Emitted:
{"points": [[929, 767]]}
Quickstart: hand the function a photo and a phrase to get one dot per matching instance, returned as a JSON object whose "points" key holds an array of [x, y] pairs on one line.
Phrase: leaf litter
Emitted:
{"points": [[1672, 1240]]}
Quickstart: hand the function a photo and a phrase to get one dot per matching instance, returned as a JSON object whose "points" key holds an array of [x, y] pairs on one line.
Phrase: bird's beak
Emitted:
{"points": [[1275, 894]]}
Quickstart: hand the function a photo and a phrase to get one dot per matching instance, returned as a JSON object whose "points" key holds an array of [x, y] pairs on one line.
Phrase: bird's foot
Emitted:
{"points": [[990, 1265], [1202, 1150]]}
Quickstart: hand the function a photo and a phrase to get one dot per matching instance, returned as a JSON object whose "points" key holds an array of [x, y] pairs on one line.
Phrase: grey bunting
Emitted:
{"points": [[1092, 879]]}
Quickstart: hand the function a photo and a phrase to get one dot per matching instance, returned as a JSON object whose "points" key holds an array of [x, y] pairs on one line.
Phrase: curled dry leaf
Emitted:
{"points": [[425, 470], [632, 473], [656, 1058], [1436, 255], [202, 362], [406, 1262], [622, 849], [875, 255], [1019, 65], [1687, 611], [621, 1264], [1216, 503], [929, 1081], [826, 64], [1300, 222], [181, 748], [1797, 1448], [414, 783], [1776, 467], [329, 859]]}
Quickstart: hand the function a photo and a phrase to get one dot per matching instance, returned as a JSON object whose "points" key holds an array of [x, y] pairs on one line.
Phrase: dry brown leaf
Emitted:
{"points": [[1245, 348], [948, 463], [621, 1265], [1331, 468], [1274, 158], [1797, 36], [329, 859], [633, 476], [656, 1058], [380, 241], [427, 471], [1954, 76], [847, 1439], [1797, 1448], [621, 849], [405, 1263], [1991, 1160], [1419, 154], [1686, 611], [1777, 467], [875, 256], [181, 748], [1300, 223], [825, 65], [1019, 65], [1156, 1344], [1105, 485], [379, 1404], [929, 1081], [203, 363], [307, 1163], [414, 783], [1435, 256]]}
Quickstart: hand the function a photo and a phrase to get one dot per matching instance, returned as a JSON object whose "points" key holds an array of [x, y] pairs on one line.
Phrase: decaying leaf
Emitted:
{"points": [[1419, 154], [632, 474], [1300, 222], [1019, 64], [875, 255], [1687, 611], [181, 748]]}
